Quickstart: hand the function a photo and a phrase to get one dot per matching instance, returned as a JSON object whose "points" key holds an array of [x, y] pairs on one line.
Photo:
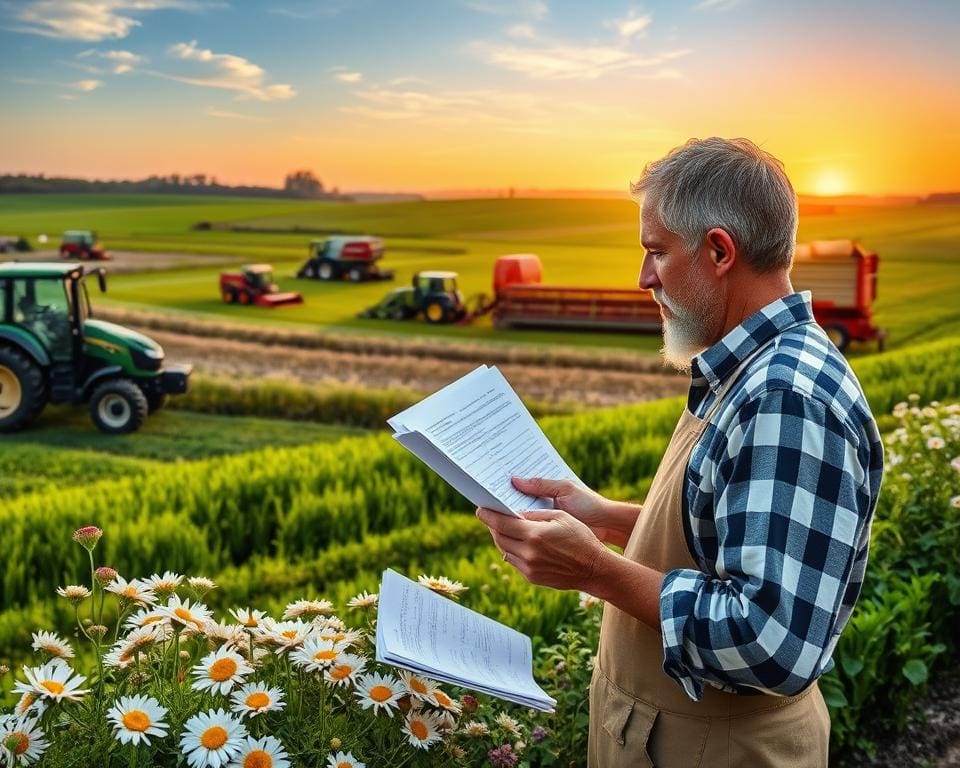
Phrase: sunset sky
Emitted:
{"points": [[859, 97]]}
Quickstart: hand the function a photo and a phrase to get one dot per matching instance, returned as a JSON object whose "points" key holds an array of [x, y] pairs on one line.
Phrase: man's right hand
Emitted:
{"points": [[611, 521]]}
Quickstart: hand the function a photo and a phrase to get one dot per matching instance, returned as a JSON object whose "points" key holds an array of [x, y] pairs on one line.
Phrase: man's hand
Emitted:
{"points": [[548, 546], [610, 521]]}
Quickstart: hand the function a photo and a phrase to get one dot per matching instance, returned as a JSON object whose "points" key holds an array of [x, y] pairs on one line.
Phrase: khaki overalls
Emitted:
{"points": [[641, 717]]}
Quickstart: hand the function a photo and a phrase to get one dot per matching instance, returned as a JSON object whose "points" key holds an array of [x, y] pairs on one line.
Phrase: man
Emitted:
{"points": [[741, 568]]}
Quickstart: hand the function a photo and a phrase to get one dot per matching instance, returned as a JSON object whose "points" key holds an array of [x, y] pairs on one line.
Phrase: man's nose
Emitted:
{"points": [[648, 280]]}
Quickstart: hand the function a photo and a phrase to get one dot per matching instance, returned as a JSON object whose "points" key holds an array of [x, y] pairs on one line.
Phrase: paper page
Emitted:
{"points": [[399, 422], [420, 628]]}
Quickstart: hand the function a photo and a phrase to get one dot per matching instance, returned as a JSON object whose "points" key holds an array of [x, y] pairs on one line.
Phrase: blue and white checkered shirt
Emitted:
{"points": [[779, 496]]}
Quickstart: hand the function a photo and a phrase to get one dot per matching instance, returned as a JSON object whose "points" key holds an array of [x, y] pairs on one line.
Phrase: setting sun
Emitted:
{"points": [[830, 181]]}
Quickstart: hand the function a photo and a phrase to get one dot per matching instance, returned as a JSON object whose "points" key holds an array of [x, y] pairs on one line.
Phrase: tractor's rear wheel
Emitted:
{"points": [[326, 271], [118, 407], [23, 393], [229, 295], [355, 275], [838, 335], [435, 313], [243, 297]]}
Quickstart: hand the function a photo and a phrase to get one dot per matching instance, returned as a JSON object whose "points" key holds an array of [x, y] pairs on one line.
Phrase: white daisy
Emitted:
{"points": [[136, 718], [225, 633], [345, 669], [343, 637], [74, 593], [201, 584], [422, 729], [212, 739], [286, 635], [440, 699], [145, 637], [442, 585], [267, 752], [587, 601], [379, 691], [30, 704], [120, 656], [344, 760], [21, 741], [307, 608], [248, 617], [52, 644], [220, 671], [936, 443], [146, 617], [475, 729], [184, 615], [54, 680], [165, 585], [508, 724], [253, 699], [316, 655], [419, 687], [136, 591], [363, 600]]}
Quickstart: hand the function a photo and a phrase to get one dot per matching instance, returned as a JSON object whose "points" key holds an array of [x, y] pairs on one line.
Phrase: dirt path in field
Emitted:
{"points": [[586, 386], [125, 262]]}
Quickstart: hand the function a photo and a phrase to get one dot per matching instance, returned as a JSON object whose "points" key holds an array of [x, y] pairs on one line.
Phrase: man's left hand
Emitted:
{"points": [[548, 546]]}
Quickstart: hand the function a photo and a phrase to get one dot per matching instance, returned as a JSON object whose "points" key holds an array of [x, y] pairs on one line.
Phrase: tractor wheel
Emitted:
{"points": [[435, 313], [355, 275], [229, 295], [243, 297], [326, 271], [310, 271], [156, 401], [23, 392], [838, 335], [118, 407]]}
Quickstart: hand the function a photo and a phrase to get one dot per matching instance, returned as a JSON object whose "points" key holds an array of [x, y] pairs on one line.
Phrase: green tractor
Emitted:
{"points": [[433, 294], [53, 351]]}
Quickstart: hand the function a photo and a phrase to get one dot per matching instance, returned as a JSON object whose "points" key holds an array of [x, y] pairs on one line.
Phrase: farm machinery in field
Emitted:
{"points": [[52, 350], [253, 284], [840, 274], [82, 244], [343, 257]]}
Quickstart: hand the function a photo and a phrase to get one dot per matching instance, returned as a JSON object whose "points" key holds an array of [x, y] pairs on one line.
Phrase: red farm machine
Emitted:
{"points": [[345, 257], [82, 244], [840, 273], [254, 285]]}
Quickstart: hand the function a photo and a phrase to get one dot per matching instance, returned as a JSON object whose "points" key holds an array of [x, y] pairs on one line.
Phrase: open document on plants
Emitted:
{"points": [[425, 633], [477, 434]]}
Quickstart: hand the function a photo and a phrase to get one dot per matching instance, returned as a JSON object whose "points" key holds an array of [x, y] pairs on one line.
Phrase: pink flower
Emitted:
{"points": [[105, 574], [88, 536], [502, 757]]}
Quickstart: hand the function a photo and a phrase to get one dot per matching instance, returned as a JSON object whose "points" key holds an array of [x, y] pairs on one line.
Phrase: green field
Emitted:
{"points": [[584, 242]]}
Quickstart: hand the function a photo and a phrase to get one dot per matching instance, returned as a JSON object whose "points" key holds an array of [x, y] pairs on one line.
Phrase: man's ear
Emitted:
{"points": [[721, 249]]}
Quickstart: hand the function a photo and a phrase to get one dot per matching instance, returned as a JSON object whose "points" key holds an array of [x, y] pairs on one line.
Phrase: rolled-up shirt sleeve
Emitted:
{"points": [[790, 510]]}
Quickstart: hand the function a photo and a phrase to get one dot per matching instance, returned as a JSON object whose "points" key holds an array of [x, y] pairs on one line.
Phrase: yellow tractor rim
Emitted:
{"points": [[434, 312], [10, 391]]}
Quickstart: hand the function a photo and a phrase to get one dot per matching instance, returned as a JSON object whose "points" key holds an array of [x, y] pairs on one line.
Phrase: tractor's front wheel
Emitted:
{"points": [[118, 407], [326, 271], [435, 313], [23, 393]]}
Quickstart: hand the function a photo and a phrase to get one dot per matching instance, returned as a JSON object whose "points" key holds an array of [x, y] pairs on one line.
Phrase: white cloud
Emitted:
{"points": [[632, 24], [227, 71], [123, 61], [90, 21], [349, 77], [534, 9], [572, 62], [522, 32], [85, 85], [719, 5], [222, 113]]}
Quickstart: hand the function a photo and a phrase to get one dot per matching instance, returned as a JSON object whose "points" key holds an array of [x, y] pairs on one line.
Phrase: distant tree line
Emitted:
{"points": [[299, 184]]}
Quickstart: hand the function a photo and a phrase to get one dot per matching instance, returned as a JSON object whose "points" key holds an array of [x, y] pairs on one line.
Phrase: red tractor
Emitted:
{"points": [[82, 245], [254, 285]]}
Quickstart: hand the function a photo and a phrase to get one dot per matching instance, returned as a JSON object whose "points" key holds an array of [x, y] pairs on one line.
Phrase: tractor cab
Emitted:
{"points": [[437, 296], [260, 277], [81, 244]]}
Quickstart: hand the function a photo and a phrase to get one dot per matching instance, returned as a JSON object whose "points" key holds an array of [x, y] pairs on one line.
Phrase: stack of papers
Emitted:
{"points": [[477, 434], [433, 636]]}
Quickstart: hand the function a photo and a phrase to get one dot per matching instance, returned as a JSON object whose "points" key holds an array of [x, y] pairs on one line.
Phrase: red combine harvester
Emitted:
{"points": [[841, 275], [82, 244], [254, 285]]}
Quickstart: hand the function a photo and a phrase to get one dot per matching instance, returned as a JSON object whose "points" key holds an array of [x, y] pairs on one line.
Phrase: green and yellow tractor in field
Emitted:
{"points": [[53, 351]]}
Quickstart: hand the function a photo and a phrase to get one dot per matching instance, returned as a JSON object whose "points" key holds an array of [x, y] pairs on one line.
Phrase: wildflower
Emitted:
{"points": [[4, 669], [201, 585], [144, 637], [250, 619], [457, 751], [379, 691], [342, 637], [54, 680], [219, 671], [307, 608], [469, 703], [475, 729], [266, 752], [105, 574], [519, 746], [345, 669], [97, 630], [119, 657], [419, 687], [136, 718], [316, 655], [164, 585], [955, 502], [928, 413], [508, 724], [22, 741], [183, 615], [913, 397], [146, 617], [900, 410], [52, 644], [212, 738], [502, 757], [538, 734], [442, 585], [135, 591], [30, 703], [587, 601], [363, 600], [286, 635], [74, 593], [440, 699], [935, 443], [87, 537], [344, 760], [222, 632], [422, 729], [254, 699]]}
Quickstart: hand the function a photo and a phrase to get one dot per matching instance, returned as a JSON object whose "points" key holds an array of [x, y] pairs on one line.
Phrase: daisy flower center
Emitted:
{"points": [[28, 699], [344, 764], [130, 592], [151, 620], [325, 655], [53, 686], [136, 720], [257, 699], [23, 743], [258, 759], [251, 622], [341, 671], [222, 669], [418, 729], [183, 614], [289, 633], [380, 693], [53, 650], [442, 699], [417, 686], [214, 738]]}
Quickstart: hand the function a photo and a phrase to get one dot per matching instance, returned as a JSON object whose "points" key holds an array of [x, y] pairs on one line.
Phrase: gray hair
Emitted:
{"points": [[727, 183]]}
